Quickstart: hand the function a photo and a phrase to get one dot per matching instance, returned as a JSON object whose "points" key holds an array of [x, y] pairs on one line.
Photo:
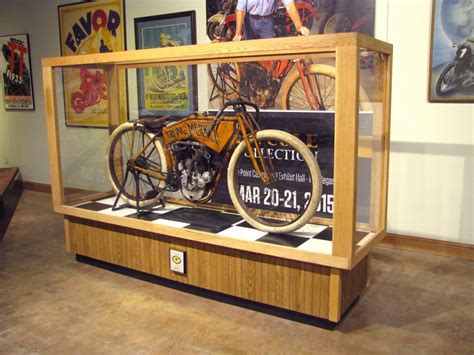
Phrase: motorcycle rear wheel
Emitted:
{"points": [[120, 151]]}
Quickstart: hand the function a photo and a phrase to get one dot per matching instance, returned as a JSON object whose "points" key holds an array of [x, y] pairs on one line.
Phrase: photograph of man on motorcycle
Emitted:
{"points": [[452, 52], [255, 19]]}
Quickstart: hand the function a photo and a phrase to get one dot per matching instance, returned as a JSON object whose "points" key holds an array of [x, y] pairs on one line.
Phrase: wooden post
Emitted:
{"points": [[55, 167], [386, 134], [335, 295], [113, 96], [345, 150]]}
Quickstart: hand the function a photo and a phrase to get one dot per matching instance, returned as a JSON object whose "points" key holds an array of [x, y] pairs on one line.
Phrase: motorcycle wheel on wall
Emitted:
{"points": [[447, 80]]}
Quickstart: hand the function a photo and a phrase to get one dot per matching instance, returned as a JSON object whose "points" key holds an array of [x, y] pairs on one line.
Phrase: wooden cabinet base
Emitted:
{"points": [[311, 289]]}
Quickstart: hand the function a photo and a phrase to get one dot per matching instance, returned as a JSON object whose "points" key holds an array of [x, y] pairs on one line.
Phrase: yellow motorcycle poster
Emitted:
{"points": [[86, 28], [166, 90]]}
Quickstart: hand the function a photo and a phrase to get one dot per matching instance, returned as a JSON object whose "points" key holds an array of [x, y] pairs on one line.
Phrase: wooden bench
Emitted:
{"points": [[11, 189]]}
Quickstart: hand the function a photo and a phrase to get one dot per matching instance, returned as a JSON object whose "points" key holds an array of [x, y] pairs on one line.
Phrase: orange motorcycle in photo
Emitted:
{"points": [[295, 84]]}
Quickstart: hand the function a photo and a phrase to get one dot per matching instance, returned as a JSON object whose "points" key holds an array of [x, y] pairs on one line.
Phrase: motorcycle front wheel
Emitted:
{"points": [[124, 146], [323, 79], [447, 80], [291, 198], [211, 30]]}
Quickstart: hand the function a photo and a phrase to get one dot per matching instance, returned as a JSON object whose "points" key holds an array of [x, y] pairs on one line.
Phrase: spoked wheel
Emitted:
{"points": [[125, 144], [290, 199], [226, 79], [447, 80], [335, 24], [322, 78], [211, 30]]}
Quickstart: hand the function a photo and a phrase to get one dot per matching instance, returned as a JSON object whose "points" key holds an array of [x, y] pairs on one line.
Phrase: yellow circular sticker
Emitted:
{"points": [[176, 259]]}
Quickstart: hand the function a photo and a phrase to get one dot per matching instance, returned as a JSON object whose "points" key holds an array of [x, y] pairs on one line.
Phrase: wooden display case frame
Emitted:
{"points": [[311, 283]]}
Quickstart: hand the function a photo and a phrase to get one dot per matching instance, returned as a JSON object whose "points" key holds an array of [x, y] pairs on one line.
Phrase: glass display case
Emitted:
{"points": [[331, 92]]}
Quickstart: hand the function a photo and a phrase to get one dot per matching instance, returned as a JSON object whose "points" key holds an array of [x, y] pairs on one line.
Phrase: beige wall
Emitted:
{"points": [[431, 167], [431, 161]]}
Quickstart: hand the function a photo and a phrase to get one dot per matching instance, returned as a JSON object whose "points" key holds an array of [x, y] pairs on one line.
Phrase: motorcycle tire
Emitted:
{"points": [[274, 207], [118, 152], [293, 98]]}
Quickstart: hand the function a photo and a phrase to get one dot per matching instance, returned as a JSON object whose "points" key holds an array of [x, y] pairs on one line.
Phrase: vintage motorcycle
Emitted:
{"points": [[148, 157], [309, 87], [216, 21], [460, 72]]}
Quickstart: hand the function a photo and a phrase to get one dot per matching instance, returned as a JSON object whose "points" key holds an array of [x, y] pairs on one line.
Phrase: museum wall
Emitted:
{"points": [[431, 160], [430, 190]]}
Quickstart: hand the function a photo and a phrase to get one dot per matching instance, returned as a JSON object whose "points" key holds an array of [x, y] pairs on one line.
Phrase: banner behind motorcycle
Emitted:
{"points": [[290, 193]]}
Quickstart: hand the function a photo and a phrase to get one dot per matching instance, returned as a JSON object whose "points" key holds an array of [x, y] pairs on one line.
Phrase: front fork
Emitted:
{"points": [[262, 165], [310, 87]]}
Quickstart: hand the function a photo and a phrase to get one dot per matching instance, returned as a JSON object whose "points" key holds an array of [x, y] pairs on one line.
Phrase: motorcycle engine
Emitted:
{"points": [[262, 87], [195, 169]]}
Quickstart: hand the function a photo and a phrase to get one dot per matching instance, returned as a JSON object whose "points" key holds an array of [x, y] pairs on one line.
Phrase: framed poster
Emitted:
{"points": [[17, 78], [264, 82], [85, 28], [451, 77], [166, 90], [319, 16]]}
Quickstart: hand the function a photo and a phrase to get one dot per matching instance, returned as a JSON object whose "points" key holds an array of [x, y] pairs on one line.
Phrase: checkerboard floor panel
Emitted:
{"points": [[242, 233], [314, 238], [286, 240]]}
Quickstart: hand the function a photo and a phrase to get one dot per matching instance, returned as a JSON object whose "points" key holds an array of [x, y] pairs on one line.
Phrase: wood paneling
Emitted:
{"points": [[335, 289], [209, 238], [352, 283], [301, 287]]}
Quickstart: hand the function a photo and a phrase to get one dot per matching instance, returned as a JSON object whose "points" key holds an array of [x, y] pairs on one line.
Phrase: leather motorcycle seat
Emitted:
{"points": [[155, 124]]}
